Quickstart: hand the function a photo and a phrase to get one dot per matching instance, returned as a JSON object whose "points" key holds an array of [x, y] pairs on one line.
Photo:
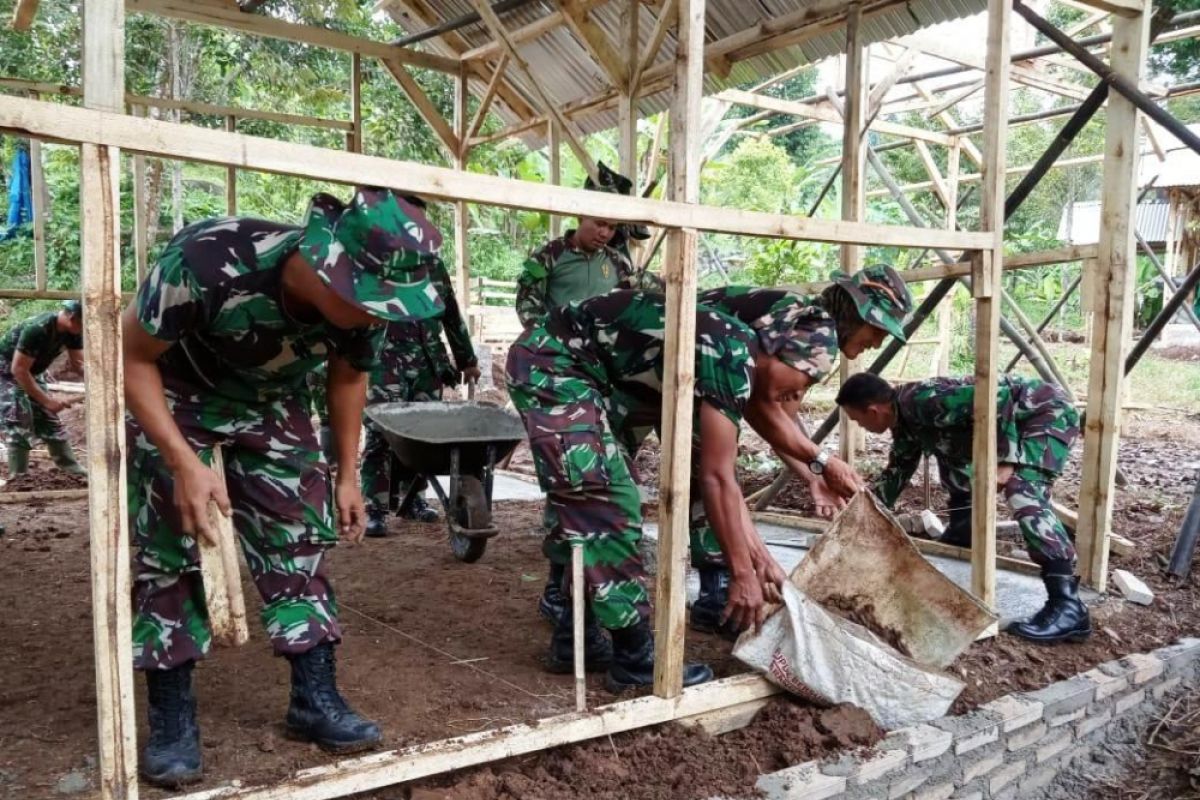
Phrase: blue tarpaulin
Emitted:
{"points": [[20, 195]]}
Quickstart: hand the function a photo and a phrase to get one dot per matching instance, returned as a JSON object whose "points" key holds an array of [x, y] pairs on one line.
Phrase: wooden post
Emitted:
{"points": [[987, 271], [231, 173], [940, 364], [355, 138], [37, 186], [1115, 275], [554, 147], [627, 113], [462, 218], [140, 222], [853, 202], [578, 612], [104, 88], [679, 272]]}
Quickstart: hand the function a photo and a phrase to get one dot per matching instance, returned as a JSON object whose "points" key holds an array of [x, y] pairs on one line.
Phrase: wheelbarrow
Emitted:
{"points": [[464, 440]]}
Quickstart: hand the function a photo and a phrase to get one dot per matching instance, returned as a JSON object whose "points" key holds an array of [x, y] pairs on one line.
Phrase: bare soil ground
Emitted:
{"points": [[435, 648]]}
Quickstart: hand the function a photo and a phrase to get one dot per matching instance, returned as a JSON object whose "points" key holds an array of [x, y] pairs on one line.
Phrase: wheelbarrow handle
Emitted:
{"points": [[471, 388]]}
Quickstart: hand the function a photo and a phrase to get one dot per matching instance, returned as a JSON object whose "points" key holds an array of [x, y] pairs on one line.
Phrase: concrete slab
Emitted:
{"points": [[1018, 596]]}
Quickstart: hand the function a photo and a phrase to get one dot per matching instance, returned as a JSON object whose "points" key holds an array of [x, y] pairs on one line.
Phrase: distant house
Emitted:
{"points": [[1168, 218]]}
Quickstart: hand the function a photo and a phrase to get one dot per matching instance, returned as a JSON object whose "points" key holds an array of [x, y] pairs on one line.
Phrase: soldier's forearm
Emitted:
{"points": [[346, 390], [24, 378], [145, 398]]}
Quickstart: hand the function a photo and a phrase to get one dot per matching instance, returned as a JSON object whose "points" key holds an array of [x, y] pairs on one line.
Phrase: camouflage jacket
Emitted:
{"points": [[1035, 426], [786, 324], [406, 343], [39, 338], [559, 273], [216, 296], [618, 340]]}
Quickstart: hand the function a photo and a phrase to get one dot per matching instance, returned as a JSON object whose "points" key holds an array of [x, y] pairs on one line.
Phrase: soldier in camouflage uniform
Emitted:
{"points": [[586, 262], [27, 351], [1036, 426], [853, 315], [587, 382], [413, 367], [218, 344]]}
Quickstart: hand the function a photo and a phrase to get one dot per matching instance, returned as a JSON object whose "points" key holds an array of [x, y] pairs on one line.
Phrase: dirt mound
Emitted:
{"points": [[862, 611], [42, 479], [674, 761]]}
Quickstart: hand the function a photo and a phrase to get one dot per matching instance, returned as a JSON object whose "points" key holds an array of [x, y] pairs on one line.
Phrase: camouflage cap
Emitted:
{"points": [[880, 295], [74, 308], [375, 252]]}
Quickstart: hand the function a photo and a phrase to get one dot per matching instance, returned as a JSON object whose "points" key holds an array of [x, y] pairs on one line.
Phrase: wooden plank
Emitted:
{"points": [[935, 175], [627, 111], [462, 216], [166, 139], [554, 148], [221, 15], [485, 103], [987, 272], [221, 574], [595, 42], [666, 18], [9, 498], [37, 187], [954, 99], [854, 115], [355, 140], [679, 273], [1115, 275], [577, 612], [825, 114], [1041, 258], [1127, 8], [377, 770], [973, 177], [141, 209], [23, 13], [231, 174], [540, 27], [425, 107], [104, 407], [549, 108]]}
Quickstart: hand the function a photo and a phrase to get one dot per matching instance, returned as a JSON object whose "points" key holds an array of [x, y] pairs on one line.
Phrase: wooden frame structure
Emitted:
{"points": [[102, 129]]}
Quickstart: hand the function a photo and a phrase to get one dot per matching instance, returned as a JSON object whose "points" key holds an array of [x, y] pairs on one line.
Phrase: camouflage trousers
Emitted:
{"points": [[25, 420], [592, 500], [418, 385], [1028, 495], [632, 422], [279, 488]]}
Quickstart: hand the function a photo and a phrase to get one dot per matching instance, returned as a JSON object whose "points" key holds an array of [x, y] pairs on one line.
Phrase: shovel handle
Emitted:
{"points": [[471, 389]]}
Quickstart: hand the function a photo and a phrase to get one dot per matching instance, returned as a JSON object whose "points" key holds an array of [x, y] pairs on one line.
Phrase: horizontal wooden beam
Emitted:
{"points": [[191, 106], [1124, 8], [206, 12], [377, 770], [9, 498], [826, 114], [56, 122], [973, 177], [1041, 258]]}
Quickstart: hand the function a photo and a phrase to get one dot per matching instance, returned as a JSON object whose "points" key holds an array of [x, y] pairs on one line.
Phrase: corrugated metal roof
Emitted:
{"points": [[568, 73], [1080, 222], [1180, 170]]}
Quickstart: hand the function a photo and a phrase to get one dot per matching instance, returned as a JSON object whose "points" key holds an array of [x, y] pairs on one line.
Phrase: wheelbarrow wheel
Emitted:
{"points": [[471, 512]]}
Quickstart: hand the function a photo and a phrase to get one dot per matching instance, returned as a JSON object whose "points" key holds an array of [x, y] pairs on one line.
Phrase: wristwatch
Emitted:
{"points": [[817, 465]]}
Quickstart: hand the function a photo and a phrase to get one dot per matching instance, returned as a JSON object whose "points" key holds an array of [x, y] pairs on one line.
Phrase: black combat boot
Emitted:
{"points": [[633, 661], [710, 604], [1064, 617], [553, 599], [417, 509], [171, 757], [597, 649], [318, 713], [377, 527], [958, 532]]}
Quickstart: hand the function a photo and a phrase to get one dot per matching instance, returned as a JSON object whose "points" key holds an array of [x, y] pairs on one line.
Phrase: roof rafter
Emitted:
{"points": [[595, 41]]}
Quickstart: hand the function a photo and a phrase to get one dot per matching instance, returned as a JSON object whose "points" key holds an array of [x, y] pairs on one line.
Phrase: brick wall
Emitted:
{"points": [[1009, 748]]}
